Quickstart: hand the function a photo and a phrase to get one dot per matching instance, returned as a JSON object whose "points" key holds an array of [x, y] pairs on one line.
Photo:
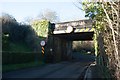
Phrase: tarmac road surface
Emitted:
{"points": [[62, 70]]}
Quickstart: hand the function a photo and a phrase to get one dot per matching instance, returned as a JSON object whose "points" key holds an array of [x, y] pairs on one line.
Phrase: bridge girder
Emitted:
{"points": [[81, 36], [74, 30]]}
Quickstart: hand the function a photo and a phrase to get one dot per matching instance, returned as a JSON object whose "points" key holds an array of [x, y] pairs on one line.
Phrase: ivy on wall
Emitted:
{"points": [[41, 27], [95, 12], [105, 16]]}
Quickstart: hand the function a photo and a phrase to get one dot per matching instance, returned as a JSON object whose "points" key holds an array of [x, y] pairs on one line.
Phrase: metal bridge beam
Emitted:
{"points": [[82, 36]]}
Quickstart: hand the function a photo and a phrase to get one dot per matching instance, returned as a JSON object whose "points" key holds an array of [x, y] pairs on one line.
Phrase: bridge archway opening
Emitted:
{"points": [[67, 45], [83, 51]]}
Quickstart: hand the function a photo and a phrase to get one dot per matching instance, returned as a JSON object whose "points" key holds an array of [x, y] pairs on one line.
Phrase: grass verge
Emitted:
{"points": [[12, 67]]}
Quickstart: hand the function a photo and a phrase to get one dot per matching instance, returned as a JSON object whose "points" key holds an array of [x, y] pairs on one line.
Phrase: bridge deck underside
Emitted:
{"points": [[81, 36]]}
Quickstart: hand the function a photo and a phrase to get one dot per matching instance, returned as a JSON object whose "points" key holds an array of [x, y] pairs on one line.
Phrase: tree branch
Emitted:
{"points": [[114, 40]]}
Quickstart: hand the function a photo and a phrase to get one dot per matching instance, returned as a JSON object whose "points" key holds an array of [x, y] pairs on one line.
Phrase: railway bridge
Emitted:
{"points": [[61, 35]]}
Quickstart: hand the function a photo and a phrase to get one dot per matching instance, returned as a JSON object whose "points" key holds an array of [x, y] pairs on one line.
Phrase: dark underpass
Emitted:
{"points": [[82, 36]]}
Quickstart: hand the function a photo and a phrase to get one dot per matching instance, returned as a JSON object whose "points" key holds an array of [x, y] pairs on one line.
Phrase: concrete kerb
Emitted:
{"points": [[88, 73], [94, 72], [83, 73]]}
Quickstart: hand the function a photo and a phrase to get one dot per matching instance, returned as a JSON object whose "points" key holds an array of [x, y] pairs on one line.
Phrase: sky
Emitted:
{"points": [[66, 10]]}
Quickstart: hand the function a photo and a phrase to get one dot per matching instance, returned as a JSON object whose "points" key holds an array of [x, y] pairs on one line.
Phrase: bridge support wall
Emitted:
{"points": [[58, 49]]}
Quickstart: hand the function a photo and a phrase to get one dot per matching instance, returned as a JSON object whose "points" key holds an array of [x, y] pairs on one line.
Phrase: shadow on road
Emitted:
{"points": [[83, 57]]}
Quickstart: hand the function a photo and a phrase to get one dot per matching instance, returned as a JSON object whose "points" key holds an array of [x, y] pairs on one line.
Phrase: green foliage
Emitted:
{"points": [[95, 44], [11, 67], [8, 22], [7, 19], [95, 12], [19, 57], [19, 47], [17, 33], [41, 27], [5, 42]]}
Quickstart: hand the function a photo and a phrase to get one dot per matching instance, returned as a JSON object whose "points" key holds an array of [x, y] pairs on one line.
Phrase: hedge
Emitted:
{"points": [[16, 57]]}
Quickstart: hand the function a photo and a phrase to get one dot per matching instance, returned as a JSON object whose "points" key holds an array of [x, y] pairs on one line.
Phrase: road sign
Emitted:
{"points": [[69, 29], [42, 43]]}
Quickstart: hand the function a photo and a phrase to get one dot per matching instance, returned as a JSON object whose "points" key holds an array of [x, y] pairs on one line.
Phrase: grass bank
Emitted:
{"points": [[12, 67]]}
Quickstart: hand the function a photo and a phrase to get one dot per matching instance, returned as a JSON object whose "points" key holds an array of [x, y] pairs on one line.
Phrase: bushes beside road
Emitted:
{"points": [[18, 58]]}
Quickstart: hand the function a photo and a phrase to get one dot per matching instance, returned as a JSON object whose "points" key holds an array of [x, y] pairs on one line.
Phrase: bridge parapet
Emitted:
{"points": [[76, 26]]}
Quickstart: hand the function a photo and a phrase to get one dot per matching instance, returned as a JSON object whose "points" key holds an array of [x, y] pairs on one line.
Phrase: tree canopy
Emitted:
{"points": [[14, 32]]}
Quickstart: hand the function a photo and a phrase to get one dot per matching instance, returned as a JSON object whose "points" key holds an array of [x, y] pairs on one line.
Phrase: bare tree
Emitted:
{"points": [[49, 15], [28, 20]]}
